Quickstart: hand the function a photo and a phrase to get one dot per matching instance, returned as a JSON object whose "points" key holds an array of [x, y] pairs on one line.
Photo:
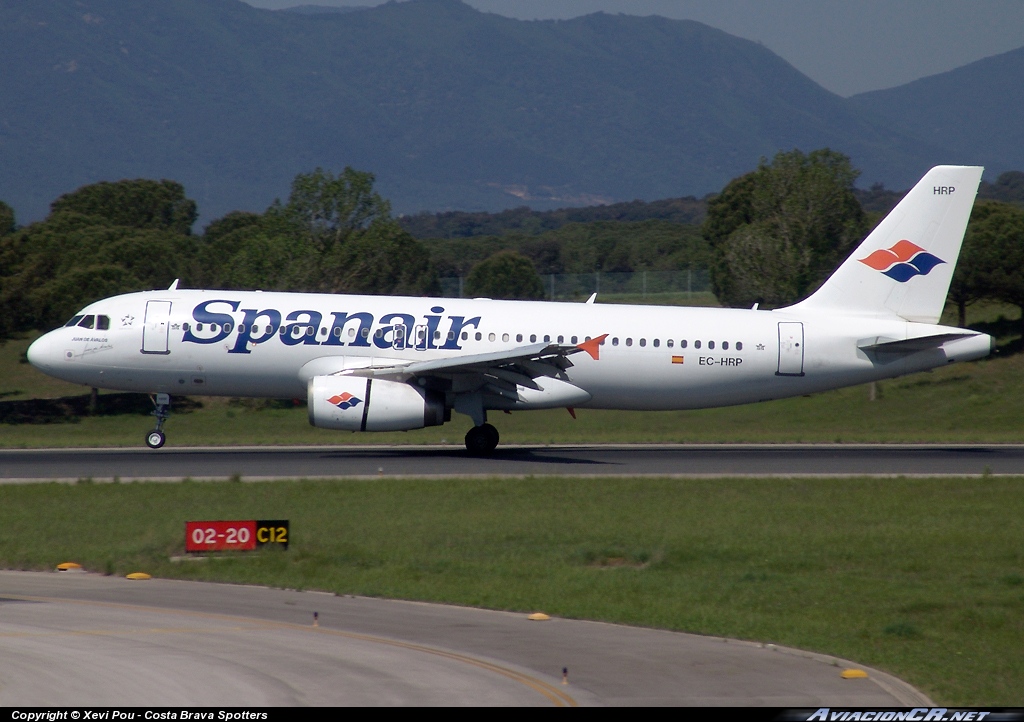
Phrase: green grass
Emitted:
{"points": [[922, 578], [976, 402]]}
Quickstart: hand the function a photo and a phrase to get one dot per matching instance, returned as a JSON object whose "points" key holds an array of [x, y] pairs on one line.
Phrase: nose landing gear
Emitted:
{"points": [[156, 438], [482, 440]]}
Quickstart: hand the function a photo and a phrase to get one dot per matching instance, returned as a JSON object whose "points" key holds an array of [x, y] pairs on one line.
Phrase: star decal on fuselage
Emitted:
{"points": [[127, 320]]}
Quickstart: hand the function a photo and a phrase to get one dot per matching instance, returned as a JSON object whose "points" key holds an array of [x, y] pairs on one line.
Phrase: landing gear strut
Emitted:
{"points": [[156, 438], [482, 440]]}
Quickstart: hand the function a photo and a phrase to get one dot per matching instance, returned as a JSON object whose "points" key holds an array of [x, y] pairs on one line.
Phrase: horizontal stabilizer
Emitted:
{"points": [[910, 345]]}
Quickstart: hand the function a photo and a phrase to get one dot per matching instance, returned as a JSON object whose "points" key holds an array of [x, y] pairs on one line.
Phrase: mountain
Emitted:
{"points": [[323, 9], [975, 111], [450, 107]]}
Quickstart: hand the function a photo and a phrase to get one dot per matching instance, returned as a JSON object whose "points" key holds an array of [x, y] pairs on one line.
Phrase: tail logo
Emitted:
{"points": [[344, 401], [902, 262]]}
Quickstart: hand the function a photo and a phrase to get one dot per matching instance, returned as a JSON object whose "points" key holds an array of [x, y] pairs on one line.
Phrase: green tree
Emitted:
{"points": [[229, 224], [505, 275], [384, 258], [332, 208], [992, 263], [777, 232], [54, 267], [138, 203], [6, 219], [333, 235], [1008, 188]]}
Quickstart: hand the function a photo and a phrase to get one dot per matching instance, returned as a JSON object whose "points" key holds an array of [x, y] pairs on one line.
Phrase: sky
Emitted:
{"points": [[846, 46]]}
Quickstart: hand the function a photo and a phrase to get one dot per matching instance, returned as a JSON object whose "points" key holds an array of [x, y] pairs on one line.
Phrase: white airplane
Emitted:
{"points": [[385, 363]]}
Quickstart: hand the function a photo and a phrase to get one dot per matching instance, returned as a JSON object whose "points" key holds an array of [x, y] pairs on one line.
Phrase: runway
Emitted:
{"points": [[261, 463], [87, 640]]}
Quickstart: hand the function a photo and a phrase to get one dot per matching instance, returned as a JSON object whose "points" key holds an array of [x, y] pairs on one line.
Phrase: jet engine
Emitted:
{"points": [[352, 403]]}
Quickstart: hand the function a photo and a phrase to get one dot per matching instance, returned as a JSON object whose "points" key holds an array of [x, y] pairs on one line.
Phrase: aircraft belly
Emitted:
{"points": [[663, 382]]}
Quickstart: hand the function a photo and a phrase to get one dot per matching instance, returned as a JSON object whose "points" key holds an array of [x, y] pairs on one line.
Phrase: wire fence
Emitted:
{"points": [[636, 284]]}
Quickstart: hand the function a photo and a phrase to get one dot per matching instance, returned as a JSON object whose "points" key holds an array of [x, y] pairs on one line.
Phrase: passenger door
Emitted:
{"points": [[156, 328], [791, 349]]}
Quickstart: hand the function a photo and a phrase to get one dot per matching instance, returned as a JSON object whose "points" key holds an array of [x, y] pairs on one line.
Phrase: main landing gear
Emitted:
{"points": [[482, 440], [156, 438]]}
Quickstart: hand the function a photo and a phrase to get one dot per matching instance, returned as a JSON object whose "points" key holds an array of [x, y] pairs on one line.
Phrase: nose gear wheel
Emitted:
{"points": [[162, 411]]}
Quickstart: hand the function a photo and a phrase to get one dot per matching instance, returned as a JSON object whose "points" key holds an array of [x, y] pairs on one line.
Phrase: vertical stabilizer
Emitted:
{"points": [[905, 265]]}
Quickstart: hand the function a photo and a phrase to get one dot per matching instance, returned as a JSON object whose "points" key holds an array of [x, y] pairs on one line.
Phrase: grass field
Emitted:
{"points": [[975, 402], [923, 578]]}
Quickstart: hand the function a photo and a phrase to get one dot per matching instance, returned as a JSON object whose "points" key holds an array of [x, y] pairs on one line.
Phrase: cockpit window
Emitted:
{"points": [[88, 322], [74, 321], [103, 323]]}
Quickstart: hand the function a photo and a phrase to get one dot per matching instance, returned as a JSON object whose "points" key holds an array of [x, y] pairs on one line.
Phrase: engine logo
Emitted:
{"points": [[344, 401]]}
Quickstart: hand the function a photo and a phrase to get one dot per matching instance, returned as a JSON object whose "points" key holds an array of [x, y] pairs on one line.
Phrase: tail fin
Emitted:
{"points": [[905, 265]]}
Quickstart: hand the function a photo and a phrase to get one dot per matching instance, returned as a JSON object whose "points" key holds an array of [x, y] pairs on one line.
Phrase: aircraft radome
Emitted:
{"points": [[385, 363]]}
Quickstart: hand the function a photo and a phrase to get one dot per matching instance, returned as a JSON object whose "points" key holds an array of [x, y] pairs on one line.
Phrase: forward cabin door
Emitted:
{"points": [[791, 349], [156, 327]]}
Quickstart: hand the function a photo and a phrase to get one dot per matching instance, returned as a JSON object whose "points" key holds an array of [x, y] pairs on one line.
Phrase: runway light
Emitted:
{"points": [[853, 674], [138, 575], [68, 567], [538, 617]]}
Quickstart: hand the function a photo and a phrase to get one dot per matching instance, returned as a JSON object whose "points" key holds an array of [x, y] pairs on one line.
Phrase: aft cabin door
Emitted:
{"points": [[157, 327], [791, 349]]}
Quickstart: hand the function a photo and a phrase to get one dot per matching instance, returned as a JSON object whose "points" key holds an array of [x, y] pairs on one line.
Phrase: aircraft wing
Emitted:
{"points": [[516, 366]]}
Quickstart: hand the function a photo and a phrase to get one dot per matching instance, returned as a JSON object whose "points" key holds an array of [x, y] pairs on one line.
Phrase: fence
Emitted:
{"points": [[638, 284]]}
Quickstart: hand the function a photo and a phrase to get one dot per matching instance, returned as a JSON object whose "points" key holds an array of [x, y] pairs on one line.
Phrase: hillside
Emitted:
{"points": [[974, 111], [524, 220], [452, 108]]}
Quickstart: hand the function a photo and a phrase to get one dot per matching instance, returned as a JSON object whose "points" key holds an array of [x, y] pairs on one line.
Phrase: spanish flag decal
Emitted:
{"points": [[677, 359]]}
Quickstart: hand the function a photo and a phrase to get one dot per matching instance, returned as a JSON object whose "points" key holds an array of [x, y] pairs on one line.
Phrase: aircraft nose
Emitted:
{"points": [[43, 354]]}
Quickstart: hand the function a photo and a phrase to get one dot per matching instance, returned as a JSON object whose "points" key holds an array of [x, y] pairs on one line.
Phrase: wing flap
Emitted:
{"points": [[535, 360]]}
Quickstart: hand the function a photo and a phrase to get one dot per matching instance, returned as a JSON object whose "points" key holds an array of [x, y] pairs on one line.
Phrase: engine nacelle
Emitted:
{"points": [[352, 403]]}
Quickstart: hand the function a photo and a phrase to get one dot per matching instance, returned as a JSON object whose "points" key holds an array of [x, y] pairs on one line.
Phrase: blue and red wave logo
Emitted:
{"points": [[344, 401], [903, 261]]}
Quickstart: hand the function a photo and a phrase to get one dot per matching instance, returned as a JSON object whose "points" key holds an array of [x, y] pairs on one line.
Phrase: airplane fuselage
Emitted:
{"points": [[256, 344]]}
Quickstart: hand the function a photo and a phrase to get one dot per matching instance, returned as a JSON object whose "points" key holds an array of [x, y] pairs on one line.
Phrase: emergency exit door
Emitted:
{"points": [[791, 349], [156, 328]]}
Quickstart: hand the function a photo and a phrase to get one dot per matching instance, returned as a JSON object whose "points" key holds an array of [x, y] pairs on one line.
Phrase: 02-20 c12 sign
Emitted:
{"points": [[240, 535]]}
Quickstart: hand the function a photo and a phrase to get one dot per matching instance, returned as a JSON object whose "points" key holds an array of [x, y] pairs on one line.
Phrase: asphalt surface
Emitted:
{"points": [[257, 463], [83, 639]]}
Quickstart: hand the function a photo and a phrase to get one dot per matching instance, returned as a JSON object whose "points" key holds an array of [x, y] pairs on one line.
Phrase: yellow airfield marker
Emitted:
{"points": [[138, 575], [538, 617], [853, 674], [68, 566]]}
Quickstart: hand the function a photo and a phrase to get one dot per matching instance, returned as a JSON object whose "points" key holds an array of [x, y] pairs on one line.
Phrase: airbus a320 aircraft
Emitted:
{"points": [[385, 363]]}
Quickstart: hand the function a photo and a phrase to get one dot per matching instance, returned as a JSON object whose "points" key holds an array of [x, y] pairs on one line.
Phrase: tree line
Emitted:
{"points": [[770, 237], [776, 233], [334, 234]]}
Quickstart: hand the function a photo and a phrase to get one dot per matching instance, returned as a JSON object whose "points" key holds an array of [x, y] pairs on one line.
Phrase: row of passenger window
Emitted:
{"points": [[101, 323], [682, 344], [478, 336], [656, 343]]}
